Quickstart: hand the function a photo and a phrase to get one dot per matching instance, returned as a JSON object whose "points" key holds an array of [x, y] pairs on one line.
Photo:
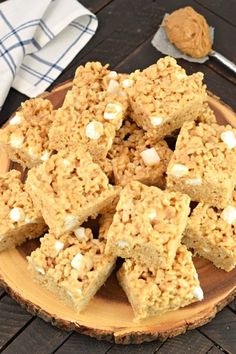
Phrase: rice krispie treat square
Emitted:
{"points": [[163, 97], [148, 225], [69, 188], [90, 114], [20, 220], [153, 291], [139, 157], [204, 163], [211, 233], [73, 265], [25, 138]]}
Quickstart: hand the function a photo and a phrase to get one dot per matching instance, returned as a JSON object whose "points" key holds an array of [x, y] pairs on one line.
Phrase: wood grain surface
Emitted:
{"points": [[125, 43]]}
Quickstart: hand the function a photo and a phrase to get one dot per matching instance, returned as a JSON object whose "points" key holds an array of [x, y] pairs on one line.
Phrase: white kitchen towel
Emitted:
{"points": [[38, 39]]}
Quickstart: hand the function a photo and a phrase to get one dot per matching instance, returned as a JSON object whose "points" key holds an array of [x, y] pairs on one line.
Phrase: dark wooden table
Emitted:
{"points": [[125, 30]]}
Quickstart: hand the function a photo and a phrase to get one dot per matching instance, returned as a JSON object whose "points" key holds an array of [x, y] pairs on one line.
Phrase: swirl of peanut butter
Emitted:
{"points": [[189, 32]]}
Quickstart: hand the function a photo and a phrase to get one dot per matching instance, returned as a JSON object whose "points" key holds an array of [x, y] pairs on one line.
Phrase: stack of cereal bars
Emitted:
{"points": [[104, 155]]}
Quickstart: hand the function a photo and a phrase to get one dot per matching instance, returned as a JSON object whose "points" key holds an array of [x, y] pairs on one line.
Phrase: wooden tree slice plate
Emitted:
{"points": [[109, 315]]}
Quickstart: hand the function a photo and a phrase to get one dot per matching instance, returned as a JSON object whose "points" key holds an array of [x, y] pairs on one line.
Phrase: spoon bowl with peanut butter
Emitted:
{"points": [[190, 33]]}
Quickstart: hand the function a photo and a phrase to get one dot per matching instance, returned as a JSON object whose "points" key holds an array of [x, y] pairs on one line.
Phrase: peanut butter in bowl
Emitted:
{"points": [[189, 32]]}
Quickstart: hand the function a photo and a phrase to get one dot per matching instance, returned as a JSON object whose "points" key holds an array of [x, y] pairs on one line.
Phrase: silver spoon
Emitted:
{"points": [[223, 60]]}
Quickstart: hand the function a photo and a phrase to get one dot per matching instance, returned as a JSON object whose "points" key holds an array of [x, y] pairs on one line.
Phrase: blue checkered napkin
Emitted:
{"points": [[38, 39]]}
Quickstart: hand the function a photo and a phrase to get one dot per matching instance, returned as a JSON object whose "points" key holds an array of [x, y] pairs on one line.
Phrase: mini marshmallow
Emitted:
{"points": [[40, 270], [29, 221], [16, 120], [156, 121], [58, 245], [112, 75], [77, 261], [66, 162], [127, 83], [45, 156], [16, 141], [80, 233], [109, 143], [229, 139], [113, 87], [152, 214], [150, 157], [206, 249], [180, 75], [112, 110], [94, 130], [193, 181], [122, 244], [70, 222], [178, 170], [198, 293], [78, 292], [17, 214], [32, 154], [229, 214]]}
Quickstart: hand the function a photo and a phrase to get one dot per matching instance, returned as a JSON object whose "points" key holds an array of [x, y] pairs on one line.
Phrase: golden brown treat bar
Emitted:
{"points": [[153, 291], [139, 157], [163, 97], [68, 188], [73, 265], [204, 163], [90, 115], [211, 233], [148, 225], [20, 220], [25, 138]]}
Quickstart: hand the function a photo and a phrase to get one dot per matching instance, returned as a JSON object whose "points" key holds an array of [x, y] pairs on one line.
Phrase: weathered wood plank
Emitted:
{"points": [[146, 348], [188, 342], [79, 344], [222, 8], [121, 43], [12, 319], [222, 330], [215, 350], [95, 5], [38, 338], [232, 305]]}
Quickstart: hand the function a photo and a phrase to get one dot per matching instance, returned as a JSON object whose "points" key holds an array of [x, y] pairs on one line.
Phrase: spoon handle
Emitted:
{"points": [[223, 60]]}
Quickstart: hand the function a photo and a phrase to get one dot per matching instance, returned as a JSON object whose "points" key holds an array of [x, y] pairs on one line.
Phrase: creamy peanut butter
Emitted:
{"points": [[189, 32]]}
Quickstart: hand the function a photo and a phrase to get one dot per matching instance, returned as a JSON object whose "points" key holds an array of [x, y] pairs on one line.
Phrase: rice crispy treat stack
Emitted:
{"points": [[19, 221], [73, 265], [25, 138], [204, 163], [68, 188], [148, 225], [153, 291], [163, 97], [211, 233], [139, 157], [90, 114]]}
